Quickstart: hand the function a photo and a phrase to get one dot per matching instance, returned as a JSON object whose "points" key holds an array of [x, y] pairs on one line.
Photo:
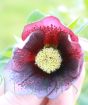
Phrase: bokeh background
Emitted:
{"points": [[14, 15]]}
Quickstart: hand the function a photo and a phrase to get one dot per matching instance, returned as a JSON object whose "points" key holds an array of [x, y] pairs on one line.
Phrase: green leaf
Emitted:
{"points": [[86, 56], [35, 16], [74, 23], [81, 28], [6, 53], [5, 56]]}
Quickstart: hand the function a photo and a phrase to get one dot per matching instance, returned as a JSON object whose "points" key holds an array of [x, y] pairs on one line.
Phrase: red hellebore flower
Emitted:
{"points": [[48, 63]]}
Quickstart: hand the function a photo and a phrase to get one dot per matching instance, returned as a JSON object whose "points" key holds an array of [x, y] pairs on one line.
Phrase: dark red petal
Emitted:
{"points": [[31, 79], [20, 58], [72, 56], [46, 22], [35, 42], [27, 54], [74, 68], [68, 47]]}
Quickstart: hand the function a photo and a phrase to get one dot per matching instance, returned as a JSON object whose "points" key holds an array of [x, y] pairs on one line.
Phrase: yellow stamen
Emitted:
{"points": [[48, 59]]}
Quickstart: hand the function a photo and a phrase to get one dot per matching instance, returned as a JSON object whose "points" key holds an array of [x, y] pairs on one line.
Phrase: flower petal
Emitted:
{"points": [[35, 42], [23, 71], [20, 58], [68, 47], [72, 56], [46, 22], [30, 81]]}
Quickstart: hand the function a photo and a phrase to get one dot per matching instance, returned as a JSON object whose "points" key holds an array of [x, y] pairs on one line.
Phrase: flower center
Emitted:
{"points": [[48, 59]]}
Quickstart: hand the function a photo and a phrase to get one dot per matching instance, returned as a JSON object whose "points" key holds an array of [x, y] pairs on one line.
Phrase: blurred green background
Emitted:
{"points": [[14, 15]]}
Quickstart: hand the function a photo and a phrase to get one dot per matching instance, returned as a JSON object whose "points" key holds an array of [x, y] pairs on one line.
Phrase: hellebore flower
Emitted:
{"points": [[48, 62]]}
